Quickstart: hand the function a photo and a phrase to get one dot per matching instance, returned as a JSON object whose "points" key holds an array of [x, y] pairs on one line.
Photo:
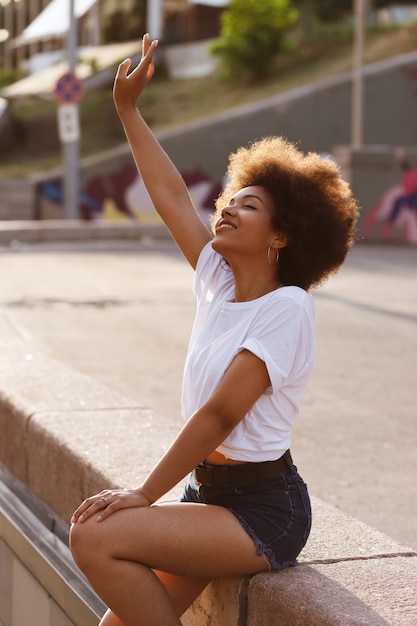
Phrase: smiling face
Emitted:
{"points": [[244, 225]]}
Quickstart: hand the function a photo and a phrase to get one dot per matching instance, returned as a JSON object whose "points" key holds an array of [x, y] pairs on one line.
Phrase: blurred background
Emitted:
{"points": [[339, 78]]}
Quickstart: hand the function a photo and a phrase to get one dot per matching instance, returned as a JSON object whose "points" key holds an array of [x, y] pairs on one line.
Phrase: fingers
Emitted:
{"points": [[146, 44], [89, 507], [148, 50], [147, 60], [123, 69], [107, 502]]}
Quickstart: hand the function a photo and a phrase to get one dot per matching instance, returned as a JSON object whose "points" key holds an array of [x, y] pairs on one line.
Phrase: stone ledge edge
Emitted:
{"points": [[41, 231]]}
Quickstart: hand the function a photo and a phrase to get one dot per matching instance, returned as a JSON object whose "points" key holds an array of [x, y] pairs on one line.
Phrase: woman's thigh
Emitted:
{"points": [[186, 539]]}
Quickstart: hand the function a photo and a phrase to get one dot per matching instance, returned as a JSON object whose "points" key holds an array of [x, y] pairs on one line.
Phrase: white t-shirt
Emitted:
{"points": [[278, 328]]}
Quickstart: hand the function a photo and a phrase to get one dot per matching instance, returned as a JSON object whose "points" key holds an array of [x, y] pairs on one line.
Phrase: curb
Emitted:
{"points": [[13, 233]]}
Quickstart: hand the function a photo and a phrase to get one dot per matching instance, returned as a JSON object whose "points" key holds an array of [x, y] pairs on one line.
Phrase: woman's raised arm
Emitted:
{"points": [[162, 180]]}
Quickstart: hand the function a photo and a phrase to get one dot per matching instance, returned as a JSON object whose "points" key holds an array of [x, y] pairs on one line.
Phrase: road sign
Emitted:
{"points": [[68, 123], [69, 89]]}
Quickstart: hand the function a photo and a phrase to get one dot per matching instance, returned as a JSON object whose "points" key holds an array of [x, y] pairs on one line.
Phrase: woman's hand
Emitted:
{"points": [[107, 502], [127, 88]]}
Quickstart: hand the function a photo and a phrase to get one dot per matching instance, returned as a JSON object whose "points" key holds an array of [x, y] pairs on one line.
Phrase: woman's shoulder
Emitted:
{"points": [[292, 298], [293, 293]]}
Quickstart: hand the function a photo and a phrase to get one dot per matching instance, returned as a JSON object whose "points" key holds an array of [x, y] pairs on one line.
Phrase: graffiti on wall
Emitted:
{"points": [[395, 212], [120, 195]]}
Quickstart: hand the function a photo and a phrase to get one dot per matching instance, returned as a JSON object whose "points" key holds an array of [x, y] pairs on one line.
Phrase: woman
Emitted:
{"points": [[284, 222]]}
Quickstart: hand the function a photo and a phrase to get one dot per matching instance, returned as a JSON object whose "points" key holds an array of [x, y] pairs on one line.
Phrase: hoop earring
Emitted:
{"points": [[276, 256]]}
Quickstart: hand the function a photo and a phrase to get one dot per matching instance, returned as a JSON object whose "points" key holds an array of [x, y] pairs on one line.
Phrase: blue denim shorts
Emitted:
{"points": [[275, 512]]}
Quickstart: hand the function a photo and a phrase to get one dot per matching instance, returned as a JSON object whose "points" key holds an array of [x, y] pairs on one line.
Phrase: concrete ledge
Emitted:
{"points": [[65, 436], [42, 231], [54, 417], [334, 595], [349, 574]]}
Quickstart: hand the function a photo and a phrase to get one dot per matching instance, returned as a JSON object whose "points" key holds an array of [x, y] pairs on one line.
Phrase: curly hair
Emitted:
{"points": [[313, 205]]}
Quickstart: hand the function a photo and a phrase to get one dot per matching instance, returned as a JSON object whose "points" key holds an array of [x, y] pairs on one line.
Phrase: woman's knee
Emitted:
{"points": [[84, 543]]}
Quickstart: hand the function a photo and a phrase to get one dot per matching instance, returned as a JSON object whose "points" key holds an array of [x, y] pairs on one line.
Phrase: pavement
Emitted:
{"points": [[122, 311]]}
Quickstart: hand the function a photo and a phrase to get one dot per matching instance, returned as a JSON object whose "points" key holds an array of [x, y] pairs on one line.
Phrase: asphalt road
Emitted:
{"points": [[122, 312]]}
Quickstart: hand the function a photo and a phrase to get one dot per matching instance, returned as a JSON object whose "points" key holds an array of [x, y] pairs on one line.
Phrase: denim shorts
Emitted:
{"points": [[275, 512]]}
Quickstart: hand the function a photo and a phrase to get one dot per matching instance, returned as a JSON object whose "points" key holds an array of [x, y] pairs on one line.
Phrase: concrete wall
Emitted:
{"points": [[316, 115], [382, 187], [17, 199]]}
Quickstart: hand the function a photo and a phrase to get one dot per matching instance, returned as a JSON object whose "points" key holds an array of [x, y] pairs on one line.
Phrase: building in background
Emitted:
{"points": [[193, 21], [35, 27], [15, 15], [29, 28]]}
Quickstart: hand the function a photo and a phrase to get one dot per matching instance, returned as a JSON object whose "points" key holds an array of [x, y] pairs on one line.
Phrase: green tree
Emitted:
{"points": [[252, 33]]}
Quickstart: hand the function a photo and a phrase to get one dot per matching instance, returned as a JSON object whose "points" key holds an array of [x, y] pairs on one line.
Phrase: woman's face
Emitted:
{"points": [[245, 223]]}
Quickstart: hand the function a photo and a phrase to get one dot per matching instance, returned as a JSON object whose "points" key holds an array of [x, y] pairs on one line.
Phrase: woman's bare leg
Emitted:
{"points": [[181, 590], [193, 541]]}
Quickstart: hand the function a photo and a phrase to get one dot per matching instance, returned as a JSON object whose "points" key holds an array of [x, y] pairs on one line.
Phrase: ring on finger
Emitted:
{"points": [[104, 500]]}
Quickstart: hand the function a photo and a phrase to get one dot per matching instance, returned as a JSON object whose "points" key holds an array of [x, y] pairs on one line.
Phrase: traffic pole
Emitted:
{"points": [[154, 18], [70, 144]]}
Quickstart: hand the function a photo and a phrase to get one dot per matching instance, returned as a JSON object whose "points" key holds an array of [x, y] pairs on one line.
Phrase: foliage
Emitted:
{"points": [[252, 33], [7, 77]]}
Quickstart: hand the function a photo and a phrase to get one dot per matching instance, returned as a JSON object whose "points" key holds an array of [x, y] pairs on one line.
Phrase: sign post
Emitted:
{"points": [[155, 18], [68, 124], [68, 92]]}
